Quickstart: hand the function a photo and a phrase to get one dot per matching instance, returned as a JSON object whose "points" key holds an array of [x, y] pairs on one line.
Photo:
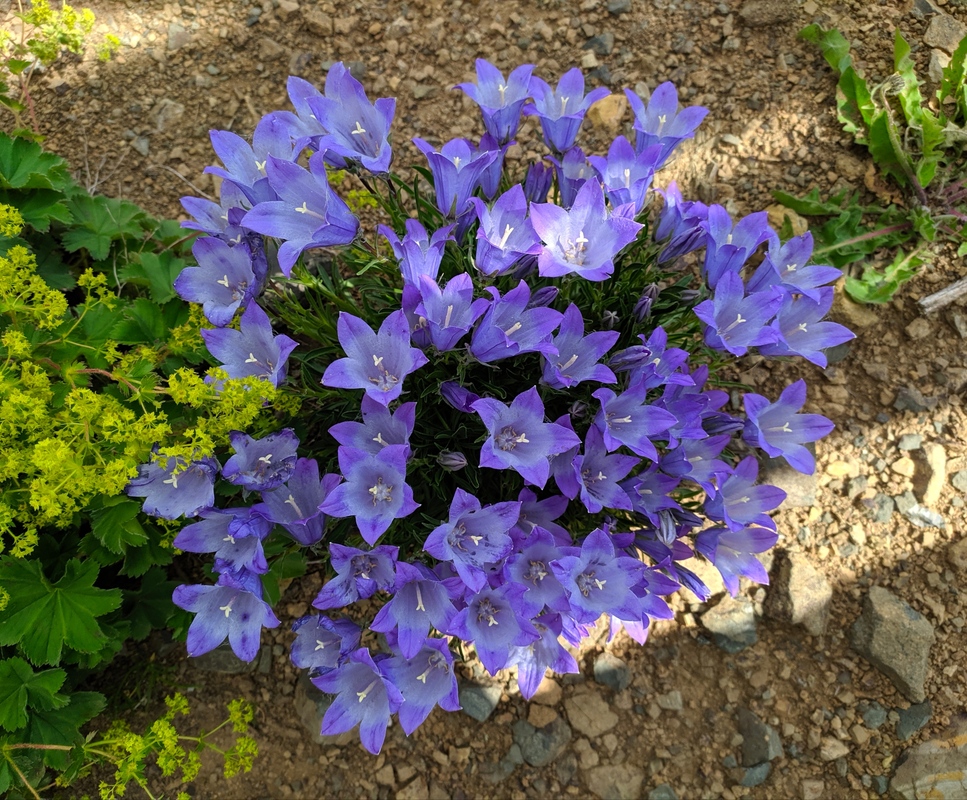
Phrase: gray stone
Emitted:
{"points": [[222, 659], [311, 705], [944, 32], [909, 398], [178, 37], [616, 782], [936, 769], [165, 113], [760, 742], [590, 714], [874, 715], [670, 701], [799, 595], [883, 507], [925, 8], [905, 501], [479, 701], [880, 784], [910, 441], [755, 776], [896, 640], [285, 9], [800, 489], [269, 49], [602, 44], [662, 792], [957, 556], [912, 719], [938, 63], [959, 480], [142, 145], [619, 6], [732, 623], [923, 517], [612, 672], [540, 746], [763, 13], [566, 767]]}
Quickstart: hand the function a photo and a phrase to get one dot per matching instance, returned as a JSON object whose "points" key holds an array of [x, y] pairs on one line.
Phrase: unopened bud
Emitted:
{"points": [[609, 319], [543, 296], [578, 409], [452, 462], [458, 397]]}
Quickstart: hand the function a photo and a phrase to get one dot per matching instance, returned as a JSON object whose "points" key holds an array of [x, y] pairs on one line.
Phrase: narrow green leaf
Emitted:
{"points": [[884, 153], [909, 96], [954, 73]]}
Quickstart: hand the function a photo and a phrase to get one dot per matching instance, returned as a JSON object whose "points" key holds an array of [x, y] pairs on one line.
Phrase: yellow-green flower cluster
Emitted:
{"points": [[24, 296]]}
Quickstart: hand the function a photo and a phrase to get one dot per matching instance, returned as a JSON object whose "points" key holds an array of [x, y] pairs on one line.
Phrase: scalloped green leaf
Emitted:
{"points": [[24, 165], [20, 686], [99, 221], [116, 526]]}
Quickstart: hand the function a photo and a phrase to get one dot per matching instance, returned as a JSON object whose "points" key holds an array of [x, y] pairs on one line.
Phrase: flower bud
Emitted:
{"points": [[578, 409], [608, 320], [537, 182], [458, 397], [543, 296], [452, 462], [645, 302]]}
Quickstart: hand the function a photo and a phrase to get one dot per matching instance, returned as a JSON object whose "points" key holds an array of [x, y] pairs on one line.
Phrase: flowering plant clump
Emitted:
{"points": [[509, 423]]}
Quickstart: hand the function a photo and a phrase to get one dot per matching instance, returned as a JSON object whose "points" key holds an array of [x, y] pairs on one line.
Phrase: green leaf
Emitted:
{"points": [[17, 65], [811, 205], [150, 605], [909, 96], [879, 286], [37, 206], [43, 617], [99, 221], [116, 525], [854, 104], [883, 134], [142, 323], [63, 726], [138, 560], [20, 686], [962, 250], [97, 323], [155, 271], [952, 82], [291, 564], [24, 165], [833, 44]]}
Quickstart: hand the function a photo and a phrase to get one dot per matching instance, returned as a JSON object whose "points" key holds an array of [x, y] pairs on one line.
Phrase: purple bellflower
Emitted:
{"points": [[509, 327], [303, 126], [625, 419], [234, 535], [578, 357], [307, 214], [321, 643], [251, 351], [599, 581], [626, 175], [786, 264], [490, 177], [519, 438], [595, 475], [458, 397], [357, 131], [425, 679], [727, 247], [680, 223], [420, 602], [216, 218], [660, 122], [417, 252], [532, 660], [537, 182], [494, 624], [261, 464], [561, 111], [536, 513], [359, 574], [653, 363], [802, 330], [376, 362], [473, 537], [735, 322], [740, 502], [457, 169], [573, 171], [698, 460], [500, 101], [365, 695], [650, 493], [450, 311], [223, 281], [295, 506], [506, 234], [232, 608], [245, 163], [170, 492], [378, 428], [780, 430], [585, 239], [375, 491], [531, 568], [733, 553]]}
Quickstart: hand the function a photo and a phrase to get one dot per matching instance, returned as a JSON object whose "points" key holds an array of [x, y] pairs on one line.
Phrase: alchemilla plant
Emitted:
{"points": [[510, 423]]}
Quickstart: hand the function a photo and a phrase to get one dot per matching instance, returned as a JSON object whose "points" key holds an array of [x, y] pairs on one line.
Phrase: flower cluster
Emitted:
{"points": [[561, 472]]}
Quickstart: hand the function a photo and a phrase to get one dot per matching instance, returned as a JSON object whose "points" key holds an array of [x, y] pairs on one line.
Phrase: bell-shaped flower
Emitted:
{"points": [[537, 182], [561, 111], [418, 253], [536, 513], [375, 491], [473, 536], [735, 322], [727, 248], [359, 574], [786, 264], [595, 474], [519, 438], [425, 679], [357, 131], [321, 643], [626, 419], [492, 174], [295, 505], [599, 581], [216, 218], [261, 464], [172, 489], [378, 428], [739, 501], [578, 356], [307, 214], [450, 311], [245, 163], [234, 535], [505, 234], [780, 430], [500, 101], [493, 622], [251, 351], [419, 602], [802, 330], [652, 363], [365, 696], [457, 169], [233, 608], [626, 175], [531, 568], [510, 327], [650, 493], [458, 397], [376, 362], [698, 460], [532, 660], [223, 281], [660, 122], [585, 239], [573, 171], [733, 553], [303, 127]]}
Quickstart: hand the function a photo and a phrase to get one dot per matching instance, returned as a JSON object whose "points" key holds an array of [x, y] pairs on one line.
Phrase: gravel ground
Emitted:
{"points": [[773, 695]]}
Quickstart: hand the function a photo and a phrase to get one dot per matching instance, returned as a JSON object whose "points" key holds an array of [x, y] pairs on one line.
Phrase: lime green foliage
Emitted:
{"points": [[39, 38], [917, 144], [100, 364], [127, 752]]}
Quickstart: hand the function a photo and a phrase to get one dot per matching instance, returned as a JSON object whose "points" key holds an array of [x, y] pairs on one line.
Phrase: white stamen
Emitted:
{"points": [[581, 240], [359, 129], [627, 179], [377, 360], [260, 166], [362, 695], [290, 500], [568, 363], [266, 459], [172, 481], [728, 239], [229, 538], [378, 438], [223, 281], [739, 319], [227, 608], [320, 645], [503, 239], [661, 124], [600, 584], [446, 319], [564, 104], [251, 359], [419, 599], [513, 329], [802, 327]]}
